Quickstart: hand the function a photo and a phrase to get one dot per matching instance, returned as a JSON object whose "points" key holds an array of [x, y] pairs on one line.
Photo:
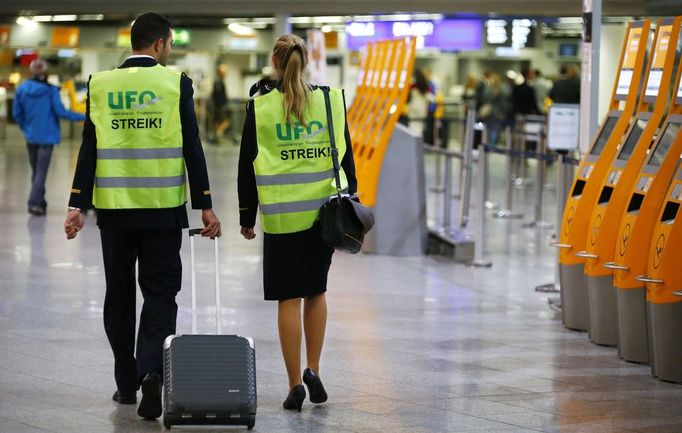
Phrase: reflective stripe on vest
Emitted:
{"points": [[136, 113], [294, 174], [161, 153], [139, 182]]}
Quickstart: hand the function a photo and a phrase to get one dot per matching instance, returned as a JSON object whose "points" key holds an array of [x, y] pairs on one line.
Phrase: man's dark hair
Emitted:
{"points": [[147, 29], [538, 73]]}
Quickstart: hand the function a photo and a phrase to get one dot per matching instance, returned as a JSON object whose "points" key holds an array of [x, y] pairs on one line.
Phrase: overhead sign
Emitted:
{"points": [[181, 37], [515, 33], [563, 126], [447, 35], [65, 36]]}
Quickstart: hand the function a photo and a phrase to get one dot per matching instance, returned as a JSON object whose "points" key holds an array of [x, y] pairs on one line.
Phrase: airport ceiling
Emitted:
{"points": [[237, 8]]}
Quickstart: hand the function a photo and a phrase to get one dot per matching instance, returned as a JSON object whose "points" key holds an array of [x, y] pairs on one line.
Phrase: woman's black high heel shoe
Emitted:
{"points": [[315, 387], [295, 398]]}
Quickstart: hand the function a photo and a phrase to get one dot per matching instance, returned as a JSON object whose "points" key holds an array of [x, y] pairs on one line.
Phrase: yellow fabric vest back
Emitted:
{"points": [[294, 171], [136, 113]]}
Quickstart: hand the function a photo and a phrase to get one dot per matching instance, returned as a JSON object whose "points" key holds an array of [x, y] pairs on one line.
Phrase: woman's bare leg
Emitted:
{"points": [[315, 324], [289, 324]]}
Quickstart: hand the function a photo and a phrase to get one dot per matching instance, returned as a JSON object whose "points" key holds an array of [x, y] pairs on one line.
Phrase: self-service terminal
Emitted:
{"points": [[624, 171], [591, 174], [634, 238], [663, 279]]}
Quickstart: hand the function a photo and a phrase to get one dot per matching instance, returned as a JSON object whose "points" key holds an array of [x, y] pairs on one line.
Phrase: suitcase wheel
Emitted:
{"points": [[166, 422], [252, 422]]}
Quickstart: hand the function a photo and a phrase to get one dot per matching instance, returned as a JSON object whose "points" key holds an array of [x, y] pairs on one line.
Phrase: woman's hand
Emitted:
{"points": [[248, 233]]}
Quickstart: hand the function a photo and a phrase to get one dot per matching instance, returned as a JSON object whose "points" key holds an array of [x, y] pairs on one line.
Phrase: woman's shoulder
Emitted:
{"points": [[262, 87]]}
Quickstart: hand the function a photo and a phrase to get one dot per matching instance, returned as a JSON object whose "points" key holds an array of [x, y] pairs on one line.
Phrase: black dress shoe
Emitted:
{"points": [[295, 398], [121, 398], [315, 387], [150, 406]]}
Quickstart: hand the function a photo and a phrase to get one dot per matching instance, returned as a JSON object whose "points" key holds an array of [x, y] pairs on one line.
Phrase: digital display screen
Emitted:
{"points": [[631, 141], [664, 142], [604, 135], [446, 35], [568, 50]]}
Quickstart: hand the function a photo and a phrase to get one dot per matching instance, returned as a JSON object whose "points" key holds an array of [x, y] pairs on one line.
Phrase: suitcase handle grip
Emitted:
{"points": [[218, 313]]}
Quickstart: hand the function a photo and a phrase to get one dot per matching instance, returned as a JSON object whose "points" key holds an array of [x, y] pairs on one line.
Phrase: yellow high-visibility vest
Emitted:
{"points": [[294, 170], [136, 113]]}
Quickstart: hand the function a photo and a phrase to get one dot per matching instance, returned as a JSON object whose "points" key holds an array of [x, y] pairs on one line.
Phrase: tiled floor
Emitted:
{"points": [[415, 344]]}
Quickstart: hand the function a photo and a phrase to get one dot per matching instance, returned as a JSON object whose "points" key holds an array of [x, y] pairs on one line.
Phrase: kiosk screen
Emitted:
{"points": [[633, 138], [604, 135], [667, 138]]}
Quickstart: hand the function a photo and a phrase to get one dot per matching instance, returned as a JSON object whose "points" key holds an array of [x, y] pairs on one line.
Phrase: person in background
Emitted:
{"points": [[483, 97], [418, 104], [524, 100], [131, 166], [430, 126], [285, 168], [500, 95], [566, 90], [542, 88], [37, 110], [221, 110]]}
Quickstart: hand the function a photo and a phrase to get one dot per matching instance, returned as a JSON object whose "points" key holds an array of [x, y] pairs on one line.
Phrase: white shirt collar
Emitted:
{"points": [[140, 56]]}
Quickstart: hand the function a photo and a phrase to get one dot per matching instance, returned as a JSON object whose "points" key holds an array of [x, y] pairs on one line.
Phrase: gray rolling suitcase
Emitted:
{"points": [[208, 379]]}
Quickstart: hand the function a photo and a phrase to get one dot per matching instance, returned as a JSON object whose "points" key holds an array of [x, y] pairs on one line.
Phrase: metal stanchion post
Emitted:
{"points": [[438, 187], [561, 194], [508, 213], [447, 199], [479, 240], [465, 175], [489, 204], [540, 183]]}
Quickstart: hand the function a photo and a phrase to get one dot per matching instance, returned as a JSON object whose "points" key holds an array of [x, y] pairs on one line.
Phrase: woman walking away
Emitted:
{"points": [[285, 167]]}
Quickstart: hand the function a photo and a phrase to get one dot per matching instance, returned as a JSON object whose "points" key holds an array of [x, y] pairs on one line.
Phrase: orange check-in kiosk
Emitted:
{"points": [[624, 171], [640, 217], [663, 278], [590, 176]]}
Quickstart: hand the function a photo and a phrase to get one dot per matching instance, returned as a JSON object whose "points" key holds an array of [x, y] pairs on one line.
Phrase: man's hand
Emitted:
{"points": [[248, 233], [211, 224], [73, 224]]}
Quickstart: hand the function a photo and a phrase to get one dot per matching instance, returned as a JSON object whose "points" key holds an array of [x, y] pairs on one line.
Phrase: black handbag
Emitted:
{"points": [[344, 221]]}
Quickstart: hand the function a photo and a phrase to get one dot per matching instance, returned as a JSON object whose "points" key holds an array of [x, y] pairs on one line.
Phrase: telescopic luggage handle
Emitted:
{"points": [[216, 262]]}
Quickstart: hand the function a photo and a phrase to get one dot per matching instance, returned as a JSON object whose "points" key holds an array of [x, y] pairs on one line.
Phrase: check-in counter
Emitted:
{"points": [[591, 174], [635, 232], [663, 279], [602, 228], [624, 172]]}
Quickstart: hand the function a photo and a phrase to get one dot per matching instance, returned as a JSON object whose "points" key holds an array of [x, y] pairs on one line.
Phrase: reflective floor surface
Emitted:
{"points": [[415, 344]]}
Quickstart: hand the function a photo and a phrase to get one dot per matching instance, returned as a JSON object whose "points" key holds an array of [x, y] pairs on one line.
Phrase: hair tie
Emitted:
{"points": [[298, 48]]}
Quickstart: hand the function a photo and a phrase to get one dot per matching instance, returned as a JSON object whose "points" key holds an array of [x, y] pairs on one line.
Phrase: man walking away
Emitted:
{"points": [[37, 110], [140, 134]]}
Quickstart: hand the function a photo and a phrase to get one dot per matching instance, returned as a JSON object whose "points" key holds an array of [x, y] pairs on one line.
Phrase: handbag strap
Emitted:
{"points": [[332, 139]]}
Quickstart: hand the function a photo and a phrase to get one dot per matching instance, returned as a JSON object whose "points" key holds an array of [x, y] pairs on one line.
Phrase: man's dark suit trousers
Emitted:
{"points": [[157, 253]]}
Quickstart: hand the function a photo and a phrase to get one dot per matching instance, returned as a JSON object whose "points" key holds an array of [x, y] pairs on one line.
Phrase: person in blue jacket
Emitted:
{"points": [[37, 109]]}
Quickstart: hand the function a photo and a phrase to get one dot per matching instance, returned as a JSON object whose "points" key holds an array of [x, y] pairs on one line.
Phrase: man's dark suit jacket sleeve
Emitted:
{"points": [[193, 153]]}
